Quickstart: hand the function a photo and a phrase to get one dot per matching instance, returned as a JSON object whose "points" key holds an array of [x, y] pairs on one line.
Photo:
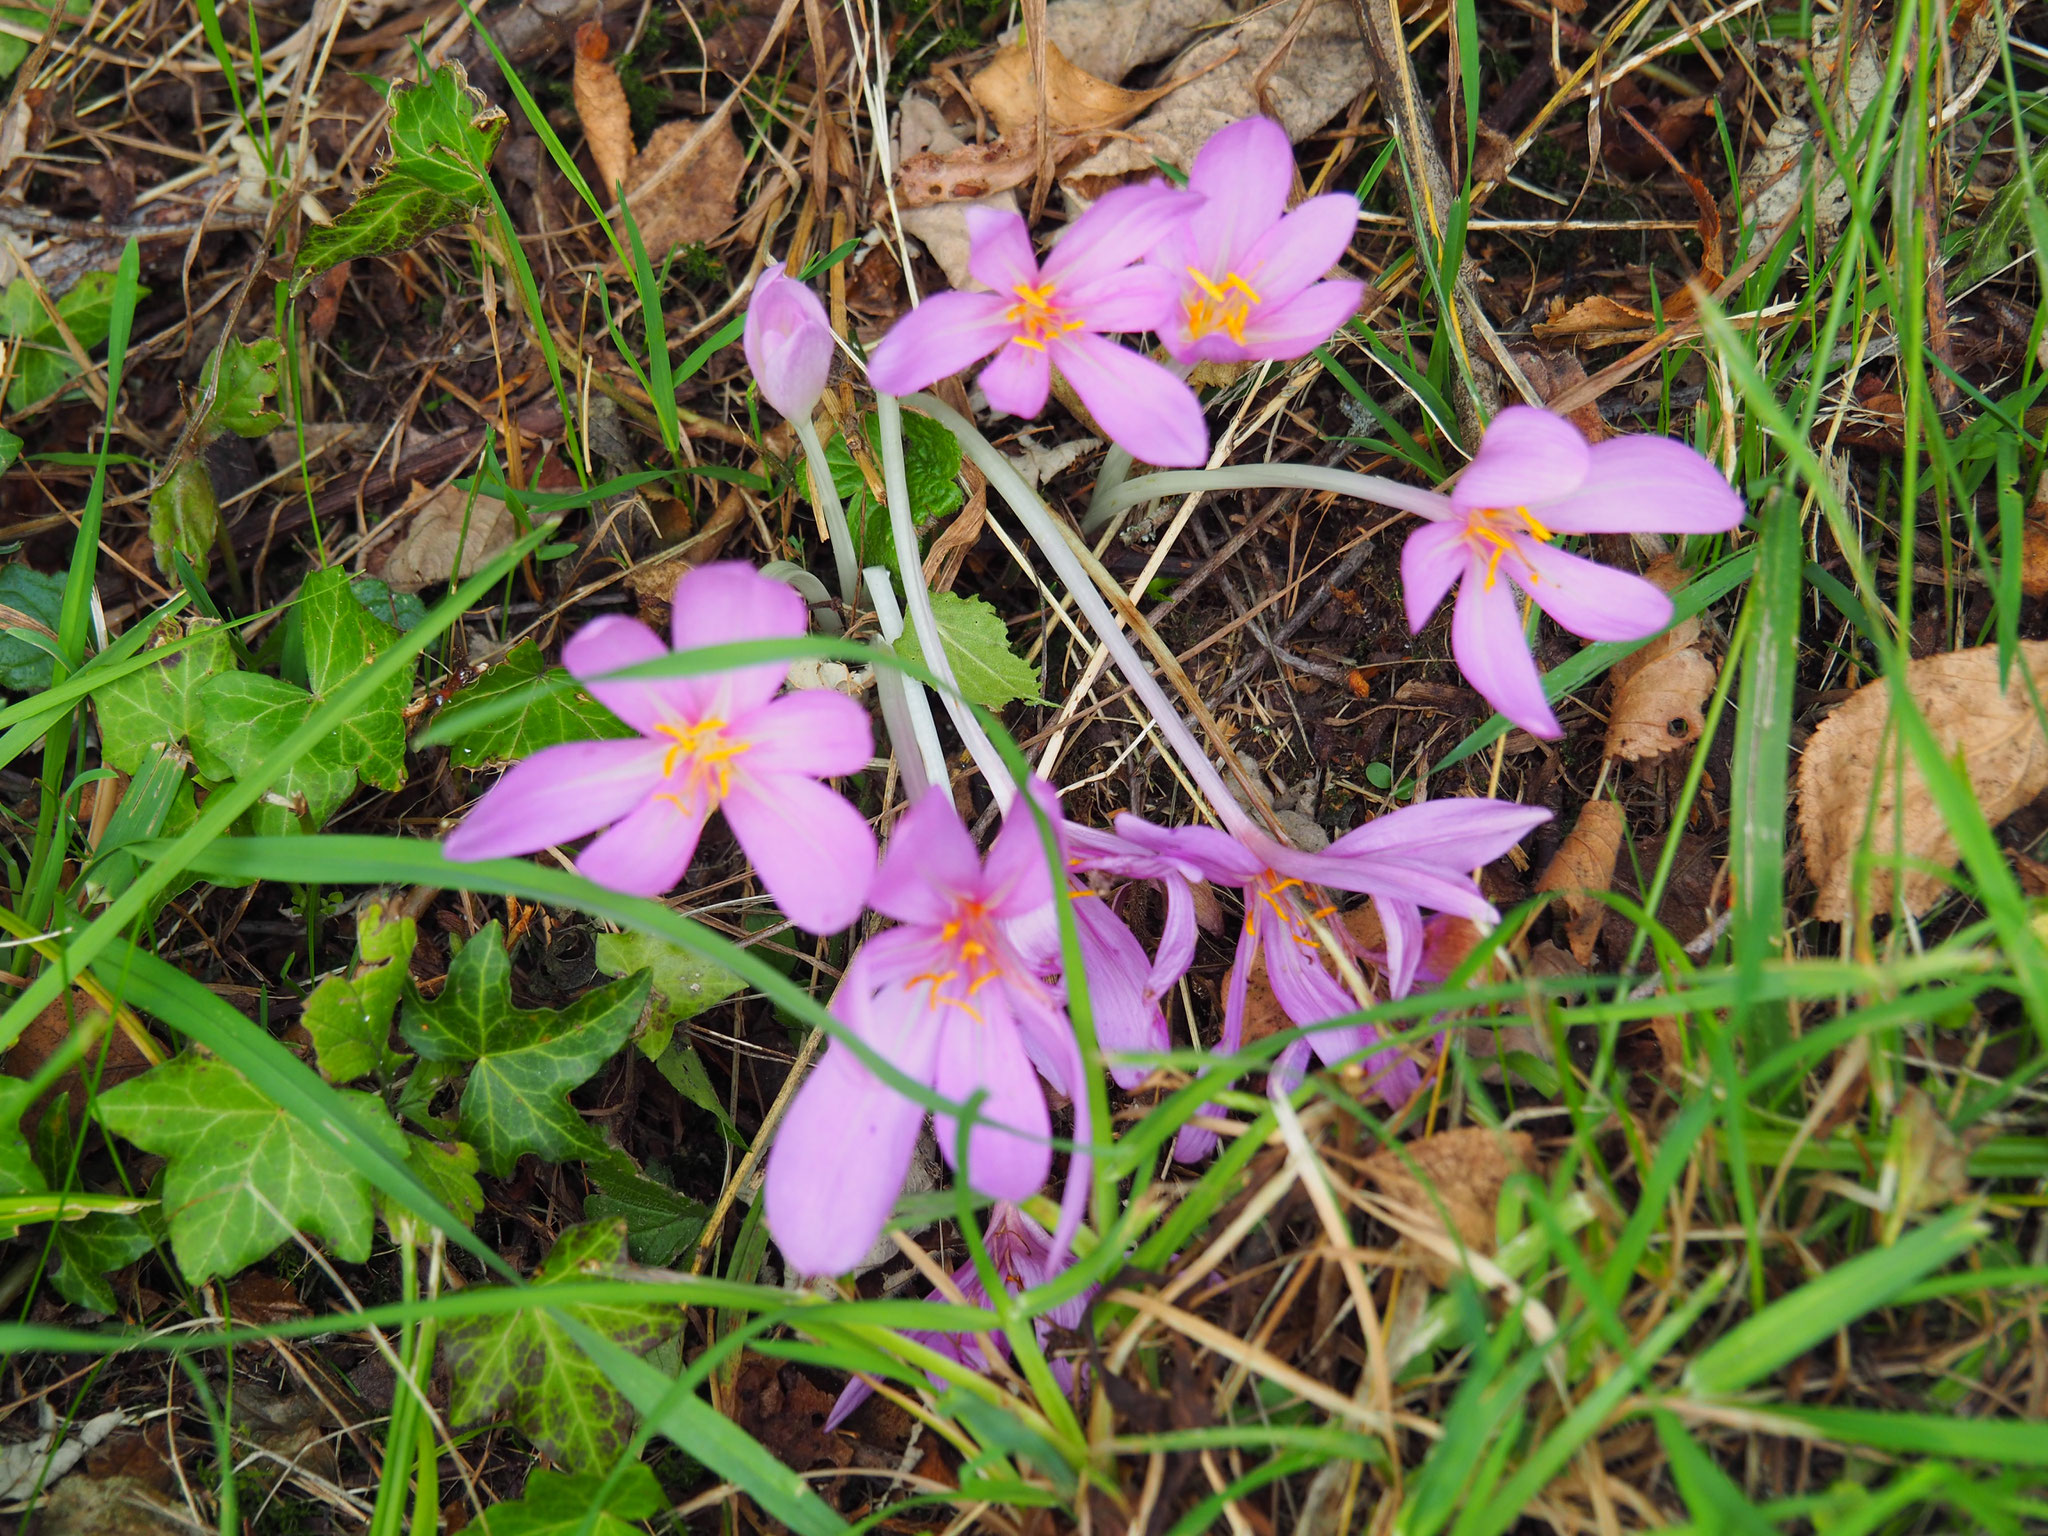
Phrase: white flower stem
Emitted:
{"points": [[906, 712], [1054, 548], [825, 497], [1250, 477], [1102, 505]]}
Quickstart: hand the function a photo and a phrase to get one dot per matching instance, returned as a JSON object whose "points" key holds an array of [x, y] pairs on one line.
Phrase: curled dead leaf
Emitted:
{"points": [[1596, 321], [1075, 101], [684, 185], [601, 105], [446, 525], [2034, 543], [2003, 753], [1660, 691], [1582, 869]]}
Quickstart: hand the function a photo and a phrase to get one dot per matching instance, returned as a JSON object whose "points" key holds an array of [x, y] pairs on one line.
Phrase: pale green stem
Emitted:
{"points": [[1102, 506], [906, 712], [1305, 477], [1052, 544], [825, 497]]}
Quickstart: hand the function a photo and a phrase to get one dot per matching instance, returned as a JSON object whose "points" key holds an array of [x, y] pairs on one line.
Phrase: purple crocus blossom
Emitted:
{"points": [[788, 342], [947, 998], [1040, 317], [1420, 857], [1022, 1252], [1535, 477], [1247, 269], [715, 741]]}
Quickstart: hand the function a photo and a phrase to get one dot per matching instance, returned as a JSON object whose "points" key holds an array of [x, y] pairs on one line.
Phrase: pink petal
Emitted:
{"points": [[613, 643], [1133, 299], [1245, 171], [1301, 248], [1401, 922], [1593, 600], [986, 1054], [1142, 407], [722, 604], [1431, 562], [930, 865], [1290, 1068], [1192, 1143], [999, 251], [1127, 1019], [814, 731], [814, 852], [1217, 855], [646, 853], [788, 342], [1300, 325], [1487, 640], [1018, 381], [1305, 991], [947, 332], [559, 793], [838, 1164], [1176, 950], [1017, 878], [1527, 456], [1460, 833], [1649, 485], [1124, 224]]}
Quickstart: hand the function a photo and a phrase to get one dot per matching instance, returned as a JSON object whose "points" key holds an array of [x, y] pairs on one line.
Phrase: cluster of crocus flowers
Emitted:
{"points": [[1534, 479]]}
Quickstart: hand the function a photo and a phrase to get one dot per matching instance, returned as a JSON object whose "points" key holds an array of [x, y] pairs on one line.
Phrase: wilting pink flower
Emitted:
{"points": [[1411, 859], [716, 741], [1535, 477], [1022, 1252], [1038, 318], [1248, 269], [788, 342], [949, 1001]]}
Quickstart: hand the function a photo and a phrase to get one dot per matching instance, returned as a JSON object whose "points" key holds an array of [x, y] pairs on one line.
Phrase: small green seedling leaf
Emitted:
{"points": [[349, 1017], [443, 135], [25, 667], [85, 1251], [559, 1504], [931, 466], [243, 718], [43, 364], [184, 519], [243, 1174], [341, 638], [549, 718], [684, 984], [525, 1061], [10, 450], [683, 1069], [448, 1170], [978, 645], [659, 1222], [19, 1174], [524, 1365], [247, 377], [159, 705]]}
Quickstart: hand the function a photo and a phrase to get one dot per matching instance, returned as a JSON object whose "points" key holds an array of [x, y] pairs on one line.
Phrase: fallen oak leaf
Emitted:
{"points": [[1582, 869]]}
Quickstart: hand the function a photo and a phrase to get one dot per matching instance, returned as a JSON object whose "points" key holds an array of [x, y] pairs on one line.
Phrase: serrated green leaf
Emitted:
{"points": [[243, 718], [525, 1061], [448, 1170], [550, 718], [43, 364], [159, 705], [248, 377], [341, 638], [524, 1366], [25, 667], [184, 519], [557, 1504], [243, 1174], [978, 645], [931, 467], [659, 1222], [684, 984], [443, 134], [349, 1017]]}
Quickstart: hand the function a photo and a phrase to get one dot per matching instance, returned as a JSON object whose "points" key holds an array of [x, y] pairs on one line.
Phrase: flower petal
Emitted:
{"points": [[1305, 991], [999, 253], [1593, 600], [559, 793], [1290, 1068], [1431, 562], [987, 1055], [930, 865], [1018, 381], [944, 334], [814, 852], [1645, 484], [1142, 407], [787, 341], [1297, 327], [1127, 1019], [1460, 833], [1176, 950], [1487, 640], [1217, 855], [815, 731], [838, 1164], [613, 643], [646, 853], [1132, 299], [1299, 249], [1017, 878], [1527, 456], [725, 602], [1124, 224], [1192, 1143], [1245, 172], [1401, 922]]}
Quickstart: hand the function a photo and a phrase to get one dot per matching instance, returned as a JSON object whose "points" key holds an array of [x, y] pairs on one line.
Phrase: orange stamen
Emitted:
{"points": [[1224, 306], [1037, 319]]}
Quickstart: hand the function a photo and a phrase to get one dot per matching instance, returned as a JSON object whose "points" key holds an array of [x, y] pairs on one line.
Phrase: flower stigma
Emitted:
{"points": [[1224, 306]]}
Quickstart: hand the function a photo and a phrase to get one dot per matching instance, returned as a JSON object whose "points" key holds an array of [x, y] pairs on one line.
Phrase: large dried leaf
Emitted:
{"points": [[1794, 158], [2003, 751], [1075, 101], [924, 139], [1582, 869], [683, 188], [1110, 38], [601, 106], [452, 535], [1456, 1175], [1660, 691]]}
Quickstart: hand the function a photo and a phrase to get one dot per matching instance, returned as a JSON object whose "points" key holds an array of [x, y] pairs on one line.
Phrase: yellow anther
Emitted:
{"points": [[704, 753], [1035, 317], [1224, 306]]}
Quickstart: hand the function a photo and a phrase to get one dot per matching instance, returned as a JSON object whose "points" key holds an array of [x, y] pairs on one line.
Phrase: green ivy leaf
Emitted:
{"points": [[19, 1174], [184, 519], [243, 1174], [85, 1251], [10, 450], [978, 645], [549, 718], [684, 1071], [659, 1222], [448, 1169], [43, 364], [557, 1504], [401, 610], [243, 718], [248, 376], [443, 134], [158, 706], [25, 667], [684, 984], [349, 1017], [931, 469], [341, 638], [525, 1060], [525, 1366]]}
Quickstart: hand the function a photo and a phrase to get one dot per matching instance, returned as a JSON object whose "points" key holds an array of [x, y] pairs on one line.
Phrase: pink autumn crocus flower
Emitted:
{"points": [[1022, 1252], [1248, 270], [788, 342], [1039, 317], [1536, 477], [715, 741], [947, 999], [1417, 858]]}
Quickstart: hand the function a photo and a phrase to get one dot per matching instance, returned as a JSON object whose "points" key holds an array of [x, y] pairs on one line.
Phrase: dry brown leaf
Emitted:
{"points": [[971, 171], [1662, 707], [601, 105], [941, 227], [1075, 101], [949, 549], [1457, 1174], [2003, 752], [1774, 182], [2034, 543], [682, 201], [1110, 38], [444, 523], [1582, 869], [1596, 321]]}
